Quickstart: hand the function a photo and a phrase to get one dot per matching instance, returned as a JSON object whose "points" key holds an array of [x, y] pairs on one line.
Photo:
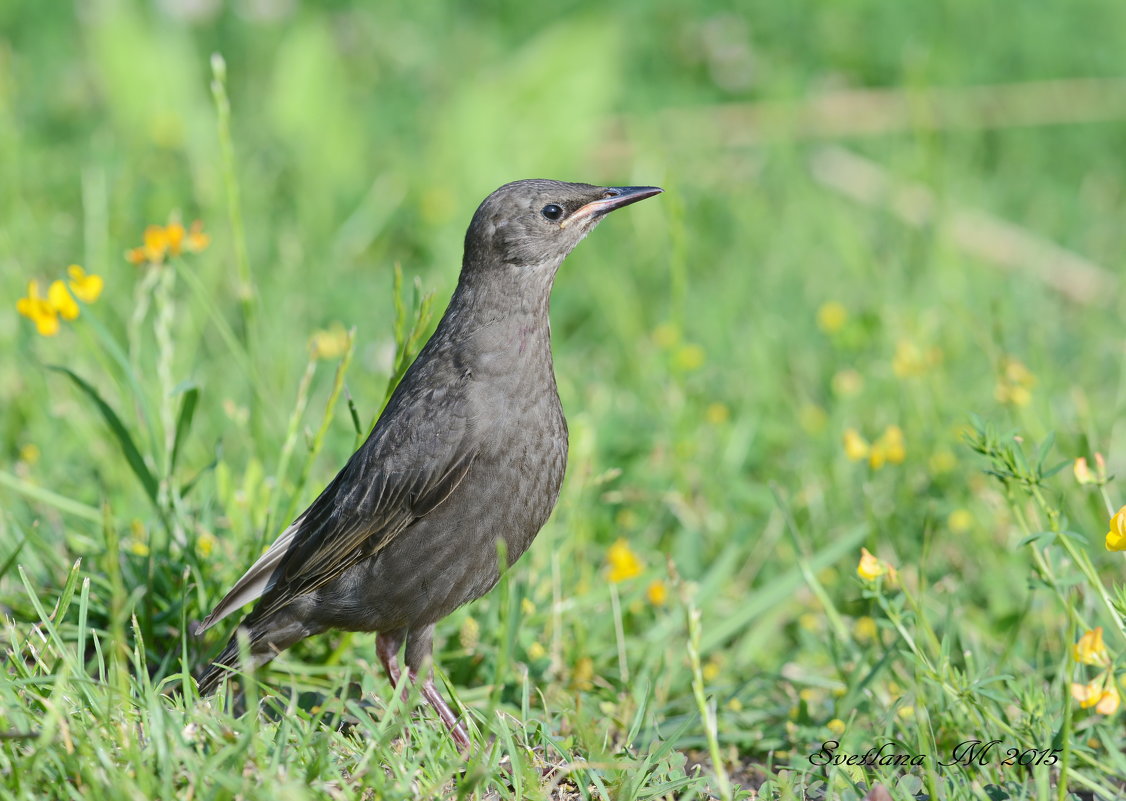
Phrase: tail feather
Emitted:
{"points": [[266, 638], [253, 583], [220, 668]]}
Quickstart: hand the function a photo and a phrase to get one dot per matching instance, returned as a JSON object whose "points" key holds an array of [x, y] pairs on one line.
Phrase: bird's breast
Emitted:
{"points": [[523, 447]]}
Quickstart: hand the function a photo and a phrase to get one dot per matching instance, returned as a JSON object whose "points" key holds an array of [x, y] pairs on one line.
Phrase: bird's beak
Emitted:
{"points": [[613, 197]]}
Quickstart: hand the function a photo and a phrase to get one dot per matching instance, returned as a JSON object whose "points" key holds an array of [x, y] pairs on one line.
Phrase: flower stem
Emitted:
{"points": [[705, 707]]}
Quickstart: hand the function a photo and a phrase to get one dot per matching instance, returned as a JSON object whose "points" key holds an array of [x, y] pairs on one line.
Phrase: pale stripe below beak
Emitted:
{"points": [[613, 197]]}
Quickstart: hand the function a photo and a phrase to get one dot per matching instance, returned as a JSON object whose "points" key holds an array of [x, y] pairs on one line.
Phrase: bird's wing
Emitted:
{"points": [[407, 467]]}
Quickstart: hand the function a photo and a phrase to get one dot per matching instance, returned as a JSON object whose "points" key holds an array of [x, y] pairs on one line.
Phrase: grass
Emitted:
{"points": [[707, 384]]}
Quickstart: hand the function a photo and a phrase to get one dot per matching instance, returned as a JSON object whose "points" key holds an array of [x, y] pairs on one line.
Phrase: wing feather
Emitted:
{"points": [[408, 466]]}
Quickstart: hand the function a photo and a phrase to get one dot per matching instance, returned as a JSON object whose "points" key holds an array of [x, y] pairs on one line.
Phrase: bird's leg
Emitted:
{"points": [[419, 645], [387, 645], [435, 699]]}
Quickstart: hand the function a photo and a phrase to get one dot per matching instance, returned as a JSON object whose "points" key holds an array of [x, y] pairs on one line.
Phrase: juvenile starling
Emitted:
{"points": [[470, 450]]}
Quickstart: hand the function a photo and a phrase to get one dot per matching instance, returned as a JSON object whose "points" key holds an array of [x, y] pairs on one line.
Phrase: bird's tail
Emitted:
{"points": [[220, 667], [265, 639]]}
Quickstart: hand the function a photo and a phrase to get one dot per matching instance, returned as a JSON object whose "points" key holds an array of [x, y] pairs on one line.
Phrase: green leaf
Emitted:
{"points": [[1082, 539], [1047, 536], [44, 495], [4, 568], [63, 604], [1051, 471], [187, 486], [184, 422], [120, 432], [1045, 449]]}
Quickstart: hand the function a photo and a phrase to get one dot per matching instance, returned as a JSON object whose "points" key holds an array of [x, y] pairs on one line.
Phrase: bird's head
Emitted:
{"points": [[536, 223]]}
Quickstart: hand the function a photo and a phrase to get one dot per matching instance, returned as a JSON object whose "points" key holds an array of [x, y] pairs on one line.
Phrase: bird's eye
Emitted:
{"points": [[552, 212]]}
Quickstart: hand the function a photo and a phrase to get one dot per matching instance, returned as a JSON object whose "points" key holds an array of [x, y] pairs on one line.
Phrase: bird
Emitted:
{"points": [[465, 462]]}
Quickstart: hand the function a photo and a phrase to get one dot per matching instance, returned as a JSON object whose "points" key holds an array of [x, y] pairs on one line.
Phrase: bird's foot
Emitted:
{"points": [[457, 731], [387, 646]]}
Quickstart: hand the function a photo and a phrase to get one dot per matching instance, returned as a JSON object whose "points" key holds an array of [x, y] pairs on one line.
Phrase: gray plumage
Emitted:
{"points": [[471, 449]]}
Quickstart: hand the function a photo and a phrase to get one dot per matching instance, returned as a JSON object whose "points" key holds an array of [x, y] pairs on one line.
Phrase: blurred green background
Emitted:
{"points": [[707, 396]]}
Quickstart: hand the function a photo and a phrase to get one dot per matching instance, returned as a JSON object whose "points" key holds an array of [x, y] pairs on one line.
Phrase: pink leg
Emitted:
{"points": [[387, 645], [418, 659], [435, 699]]}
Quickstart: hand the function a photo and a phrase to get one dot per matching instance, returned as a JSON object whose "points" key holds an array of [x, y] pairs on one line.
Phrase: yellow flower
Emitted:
{"points": [[1086, 694], [877, 456], [174, 237], [870, 568], [810, 621], [536, 652], [1090, 650], [1085, 475], [892, 444], [62, 301], [909, 360], [836, 726], [470, 634], [657, 593], [688, 357], [1101, 694], [87, 287], [162, 240], [205, 544], [138, 548], [155, 243], [624, 563], [1015, 382], [1110, 699], [865, 629], [29, 453], [39, 310], [1019, 396], [831, 317], [330, 343], [717, 413], [1017, 373], [59, 302], [959, 521], [582, 673], [711, 670], [888, 448], [855, 446], [1116, 537], [1082, 472]]}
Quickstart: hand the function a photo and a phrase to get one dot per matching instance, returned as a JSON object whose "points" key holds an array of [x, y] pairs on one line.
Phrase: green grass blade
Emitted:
{"points": [[44, 495], [119, 431], [11, 560], [184, 422]]}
